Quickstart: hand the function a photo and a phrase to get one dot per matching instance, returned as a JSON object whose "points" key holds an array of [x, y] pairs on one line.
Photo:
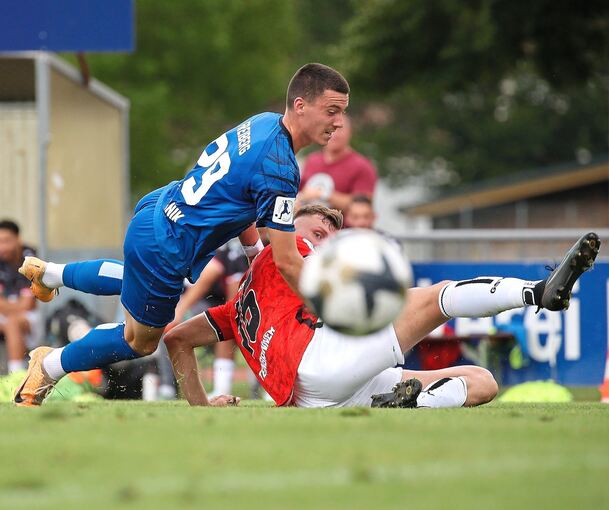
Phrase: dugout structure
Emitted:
{"points": [[64, 158]]}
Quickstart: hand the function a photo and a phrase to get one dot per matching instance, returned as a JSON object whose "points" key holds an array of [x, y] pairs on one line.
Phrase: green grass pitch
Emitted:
{"points": [[106, 455]]}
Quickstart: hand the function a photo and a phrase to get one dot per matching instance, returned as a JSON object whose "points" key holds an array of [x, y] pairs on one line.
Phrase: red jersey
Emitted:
{"points": [[353, 174], [270, 324]]}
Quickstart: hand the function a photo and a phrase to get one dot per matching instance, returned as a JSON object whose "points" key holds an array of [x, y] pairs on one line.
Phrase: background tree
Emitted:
{"points": [[444, 92], [457, 92]]}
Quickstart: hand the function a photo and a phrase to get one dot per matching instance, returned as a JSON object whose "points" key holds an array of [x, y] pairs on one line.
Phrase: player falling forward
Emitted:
{"points": [[302, 362], [245, 178]]}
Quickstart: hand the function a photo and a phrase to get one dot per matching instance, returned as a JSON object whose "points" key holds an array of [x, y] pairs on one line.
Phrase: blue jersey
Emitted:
{"points": [[248, 174]]}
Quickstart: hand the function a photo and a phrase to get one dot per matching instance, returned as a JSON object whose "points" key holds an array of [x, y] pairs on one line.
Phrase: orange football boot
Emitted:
{"points": [[37, 384], [33, 269]]}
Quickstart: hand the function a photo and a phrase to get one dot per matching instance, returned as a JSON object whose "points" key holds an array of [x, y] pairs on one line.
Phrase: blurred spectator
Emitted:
{"points": [[333, 175], [18, 318], [360, 213]]}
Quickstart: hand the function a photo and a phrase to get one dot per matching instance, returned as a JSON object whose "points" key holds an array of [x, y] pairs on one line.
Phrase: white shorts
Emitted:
{"points": [[338, 370]]}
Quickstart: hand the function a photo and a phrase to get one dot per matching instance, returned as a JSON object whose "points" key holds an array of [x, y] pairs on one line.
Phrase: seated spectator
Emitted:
{"points": [[18, 317]]}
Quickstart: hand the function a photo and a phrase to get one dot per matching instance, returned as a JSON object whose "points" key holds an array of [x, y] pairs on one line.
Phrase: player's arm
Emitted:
{"points": [[24, 303], [275, 188], [286, 256], [251, 242], [210, 274], [181, 342]]}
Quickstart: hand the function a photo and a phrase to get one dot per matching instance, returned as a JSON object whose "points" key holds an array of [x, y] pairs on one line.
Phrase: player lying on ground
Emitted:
{"points": [[245, 178], [302, 362]]}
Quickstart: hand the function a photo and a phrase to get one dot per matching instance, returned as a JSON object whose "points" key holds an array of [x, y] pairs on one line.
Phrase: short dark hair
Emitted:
{"points": [[361, 199], [334, 216], [311, 80], [9, 225]]}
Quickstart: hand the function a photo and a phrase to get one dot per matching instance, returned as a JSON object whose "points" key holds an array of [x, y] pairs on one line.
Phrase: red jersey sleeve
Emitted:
{"points": [[219, 318]]}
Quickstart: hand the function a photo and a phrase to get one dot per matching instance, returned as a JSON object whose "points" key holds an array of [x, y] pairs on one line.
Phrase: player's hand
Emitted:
{"points": [[224, 401]]}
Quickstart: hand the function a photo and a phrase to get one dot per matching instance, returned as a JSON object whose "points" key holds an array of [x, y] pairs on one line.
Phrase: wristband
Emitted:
{"points": [[254, 249]]}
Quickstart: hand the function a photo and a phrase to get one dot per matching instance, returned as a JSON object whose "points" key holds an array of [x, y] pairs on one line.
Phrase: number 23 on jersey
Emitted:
{"points": [[215, 165]]}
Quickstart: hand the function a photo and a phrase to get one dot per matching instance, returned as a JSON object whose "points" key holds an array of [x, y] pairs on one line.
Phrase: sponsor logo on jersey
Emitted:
{"points": [[266, 340], [172, 211], [284, 210], [244, 137]]}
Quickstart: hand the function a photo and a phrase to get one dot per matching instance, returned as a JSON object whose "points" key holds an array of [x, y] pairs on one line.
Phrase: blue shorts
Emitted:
{"points": [[151, 287]]}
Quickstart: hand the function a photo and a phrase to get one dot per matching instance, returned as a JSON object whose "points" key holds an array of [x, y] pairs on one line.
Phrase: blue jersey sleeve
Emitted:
{"points": [[274, 187]]}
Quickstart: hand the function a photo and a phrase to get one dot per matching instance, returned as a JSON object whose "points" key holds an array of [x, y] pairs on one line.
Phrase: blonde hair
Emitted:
{"points": [[334, 216]]}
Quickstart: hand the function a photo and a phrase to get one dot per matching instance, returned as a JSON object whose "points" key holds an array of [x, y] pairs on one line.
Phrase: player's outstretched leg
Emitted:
{"points": [[490, 295], [103, 345], [555, 292], [462, 386], [149, 287], [102, 277], [404, 394], [449, 387], [430, 307]]}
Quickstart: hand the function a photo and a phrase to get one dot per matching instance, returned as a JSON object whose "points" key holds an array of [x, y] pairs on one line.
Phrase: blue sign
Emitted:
{"points": [[66, 25], [569, 347]]}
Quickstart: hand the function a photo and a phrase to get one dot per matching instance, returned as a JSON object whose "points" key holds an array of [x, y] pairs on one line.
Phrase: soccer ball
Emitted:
{"points": [[356, 282]]}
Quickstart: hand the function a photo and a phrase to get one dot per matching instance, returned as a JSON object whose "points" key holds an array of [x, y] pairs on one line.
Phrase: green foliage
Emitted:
{"points": [[454, 44], [473, 90], [444, 139]]}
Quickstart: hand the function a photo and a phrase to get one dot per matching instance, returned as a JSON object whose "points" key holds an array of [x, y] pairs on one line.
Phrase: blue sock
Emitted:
{"points": [[100, 277], [101, 346]]}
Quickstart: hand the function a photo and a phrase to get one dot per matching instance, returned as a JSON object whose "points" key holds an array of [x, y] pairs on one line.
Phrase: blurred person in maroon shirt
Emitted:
{"points": [[335, 174]]}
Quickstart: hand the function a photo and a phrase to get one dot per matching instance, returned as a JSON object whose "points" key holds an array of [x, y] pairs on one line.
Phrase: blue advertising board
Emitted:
{"points": [[66, 25], [568, 346]]}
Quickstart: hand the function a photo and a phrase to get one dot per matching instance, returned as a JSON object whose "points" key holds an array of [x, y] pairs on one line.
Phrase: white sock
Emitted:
{"points": [[223, 376], [167, 392], [485, 296], [447, 392], [53, 275], [52, 364], [16, 365]]}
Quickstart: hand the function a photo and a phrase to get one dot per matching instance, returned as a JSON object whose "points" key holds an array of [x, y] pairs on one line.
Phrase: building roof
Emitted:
{"points": [[517, 187], [95, 87]]}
